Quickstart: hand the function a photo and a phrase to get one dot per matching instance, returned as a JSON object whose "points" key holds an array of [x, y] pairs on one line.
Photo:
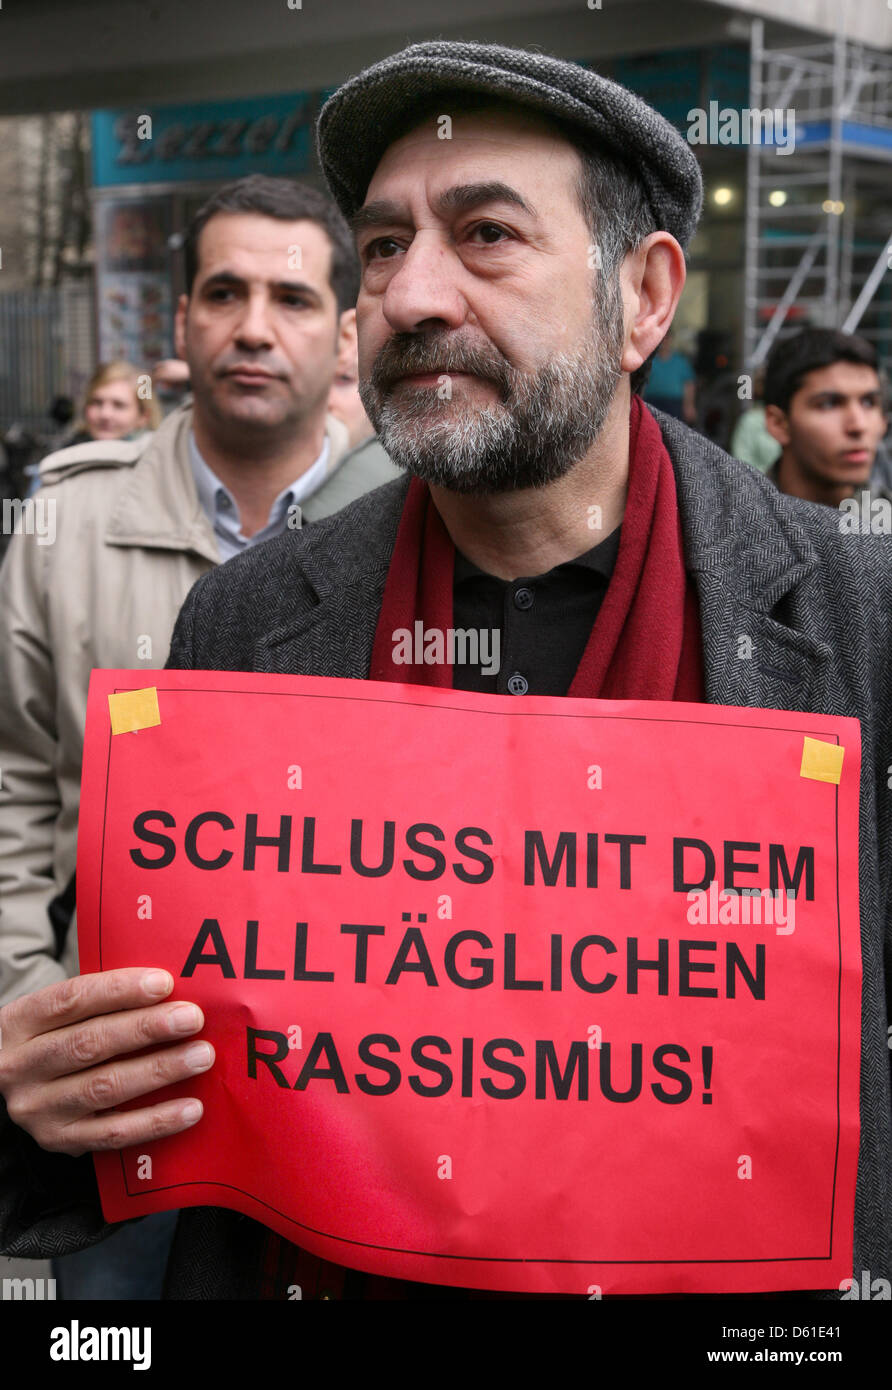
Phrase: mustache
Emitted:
{"points": [[234, 361], [408, 353]]}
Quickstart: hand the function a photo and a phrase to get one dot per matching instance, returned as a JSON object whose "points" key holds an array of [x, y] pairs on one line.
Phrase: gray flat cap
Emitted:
{"points": [[369, 112]]}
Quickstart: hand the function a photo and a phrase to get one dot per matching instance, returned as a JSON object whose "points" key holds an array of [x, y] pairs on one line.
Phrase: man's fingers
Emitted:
{"points": [[66, 1055], [124, 1128], [66, 1115], [82, 997], [82, 1046], [75, 1097], [107, 1086]]}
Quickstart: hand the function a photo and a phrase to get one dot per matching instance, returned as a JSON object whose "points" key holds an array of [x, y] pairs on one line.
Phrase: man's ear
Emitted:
{"points": [[179, 326], [346, 340], [651, 278], [777, 424]]}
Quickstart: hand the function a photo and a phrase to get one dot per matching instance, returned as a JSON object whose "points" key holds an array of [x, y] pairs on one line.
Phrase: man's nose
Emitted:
{"points": [[857, 418], [425, 288], [253, 329]]}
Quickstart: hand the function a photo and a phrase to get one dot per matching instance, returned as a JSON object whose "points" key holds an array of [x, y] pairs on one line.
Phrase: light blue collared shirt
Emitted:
{"points": [[221, 508]]}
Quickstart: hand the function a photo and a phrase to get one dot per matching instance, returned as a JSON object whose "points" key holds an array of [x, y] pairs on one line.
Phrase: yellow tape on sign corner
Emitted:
{"points": [[131, 710], [822, 762]]}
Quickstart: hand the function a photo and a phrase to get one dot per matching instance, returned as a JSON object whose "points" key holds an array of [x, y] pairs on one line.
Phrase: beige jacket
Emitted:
{"points": [[130, 540]]}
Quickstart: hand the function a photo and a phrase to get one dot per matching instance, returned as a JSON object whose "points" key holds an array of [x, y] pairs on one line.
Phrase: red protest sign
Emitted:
{"points": [[488, 1004]]}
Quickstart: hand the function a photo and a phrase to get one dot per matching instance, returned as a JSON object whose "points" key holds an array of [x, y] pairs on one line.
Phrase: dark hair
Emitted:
{"points": [[616, 209], [791, 360], [288, 201]]}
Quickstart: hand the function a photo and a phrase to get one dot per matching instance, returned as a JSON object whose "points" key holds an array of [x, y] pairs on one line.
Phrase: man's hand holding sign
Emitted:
{"points": [[60, 1069], [519, 1035]]}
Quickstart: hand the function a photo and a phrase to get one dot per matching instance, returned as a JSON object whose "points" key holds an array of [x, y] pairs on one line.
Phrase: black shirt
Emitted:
{"points": [[543, 623]]}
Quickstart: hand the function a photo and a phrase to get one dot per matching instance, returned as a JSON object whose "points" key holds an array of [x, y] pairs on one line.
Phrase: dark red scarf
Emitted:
{"points": [[644, 645]]}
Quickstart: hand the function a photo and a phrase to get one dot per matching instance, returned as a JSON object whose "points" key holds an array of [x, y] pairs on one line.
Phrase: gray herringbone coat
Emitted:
{"points": [[816, 604]]}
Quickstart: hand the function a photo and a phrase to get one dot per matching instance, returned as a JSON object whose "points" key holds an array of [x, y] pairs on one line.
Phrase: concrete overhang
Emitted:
{"points": [[59, 55]]}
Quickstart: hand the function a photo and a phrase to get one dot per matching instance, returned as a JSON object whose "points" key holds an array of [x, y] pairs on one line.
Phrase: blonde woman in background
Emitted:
{"points": [[114, 407]]}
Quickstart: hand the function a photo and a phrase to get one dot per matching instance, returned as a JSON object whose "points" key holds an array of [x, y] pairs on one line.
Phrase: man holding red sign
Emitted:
{"points": [[495, 195]]}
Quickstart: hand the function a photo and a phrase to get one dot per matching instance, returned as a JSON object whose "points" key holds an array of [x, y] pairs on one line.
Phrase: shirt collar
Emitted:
{"points": [[601, 559], [212, 492]]}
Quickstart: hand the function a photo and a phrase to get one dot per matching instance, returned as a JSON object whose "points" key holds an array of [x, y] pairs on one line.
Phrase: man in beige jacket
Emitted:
{"points": [[134, 524], [127, 527]]}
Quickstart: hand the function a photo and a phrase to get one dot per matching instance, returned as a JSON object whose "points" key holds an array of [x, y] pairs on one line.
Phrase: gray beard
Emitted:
{"points": [[546, 421]]}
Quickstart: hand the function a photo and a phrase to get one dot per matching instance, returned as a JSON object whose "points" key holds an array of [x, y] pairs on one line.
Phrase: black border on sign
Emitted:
{"points": [[507, 1259]]}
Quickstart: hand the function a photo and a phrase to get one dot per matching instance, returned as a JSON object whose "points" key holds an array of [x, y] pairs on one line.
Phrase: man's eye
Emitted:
{"points": [[486, 228], [375, 249], [294, 301], [386, 248]]}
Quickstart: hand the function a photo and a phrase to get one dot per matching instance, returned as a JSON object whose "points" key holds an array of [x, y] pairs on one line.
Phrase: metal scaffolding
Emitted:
{"points": [[819, 210]]}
